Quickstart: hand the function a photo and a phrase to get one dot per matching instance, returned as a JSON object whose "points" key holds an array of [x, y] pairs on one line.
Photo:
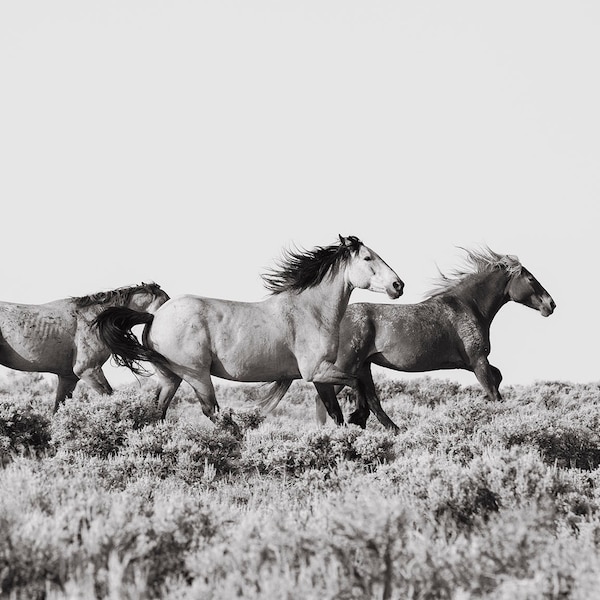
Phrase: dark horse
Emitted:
{"points": [[57, 337], [448, 330], [292, 333]]}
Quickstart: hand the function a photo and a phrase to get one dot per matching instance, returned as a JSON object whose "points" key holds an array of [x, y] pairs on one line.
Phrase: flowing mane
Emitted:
{"points": [[302, 269], [120, 295], [483, 260]]}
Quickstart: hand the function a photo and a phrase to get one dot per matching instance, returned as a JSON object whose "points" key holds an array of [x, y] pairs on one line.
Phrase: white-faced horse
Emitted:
{"points": [[57, 337], [448, 330], [292, 333]]}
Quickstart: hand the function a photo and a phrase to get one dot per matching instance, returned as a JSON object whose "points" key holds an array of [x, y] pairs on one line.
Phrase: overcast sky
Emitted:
{"points": [[188, 142]]}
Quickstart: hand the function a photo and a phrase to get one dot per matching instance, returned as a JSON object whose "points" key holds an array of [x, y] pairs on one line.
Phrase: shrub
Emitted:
{"points": [[21, 430], [562, 444], [99, 426], [374, 447], [425, 390], [321, 449], [249, 419], [31, 385], [199, 451], [112, 541]]}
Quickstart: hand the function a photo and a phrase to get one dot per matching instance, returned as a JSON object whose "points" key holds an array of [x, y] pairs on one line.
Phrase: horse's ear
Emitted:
{"points": [[351, 242]]}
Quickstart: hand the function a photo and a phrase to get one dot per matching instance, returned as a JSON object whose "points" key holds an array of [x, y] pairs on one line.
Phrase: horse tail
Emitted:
{"points": [[275, 393], [114, 328]]}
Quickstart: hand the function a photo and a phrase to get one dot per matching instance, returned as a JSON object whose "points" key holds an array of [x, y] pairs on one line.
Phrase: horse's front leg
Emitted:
{"points": [[328, 399], [489, 377], [321, 410], [497, 375], [324, 377]]}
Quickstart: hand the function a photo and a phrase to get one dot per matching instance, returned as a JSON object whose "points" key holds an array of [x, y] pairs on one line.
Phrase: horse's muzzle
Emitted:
{"points": [[547, 307], [396, 290]]}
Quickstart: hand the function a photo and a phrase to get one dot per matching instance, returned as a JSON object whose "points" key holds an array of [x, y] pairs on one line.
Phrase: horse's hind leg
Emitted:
{"points": [[205, 392], [65, 388], [94, 377], [366, 389], [168, 383]]}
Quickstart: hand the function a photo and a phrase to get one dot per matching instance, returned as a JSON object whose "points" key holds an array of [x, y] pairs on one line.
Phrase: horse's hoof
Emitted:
{"points": [[357, 419]]}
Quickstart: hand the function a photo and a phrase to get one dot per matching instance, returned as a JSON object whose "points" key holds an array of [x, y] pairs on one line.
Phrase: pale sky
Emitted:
{"points": [[189, 142]]}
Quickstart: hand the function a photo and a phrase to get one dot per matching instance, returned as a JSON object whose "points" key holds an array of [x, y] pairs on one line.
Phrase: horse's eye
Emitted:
{"points": [[368, 258]]}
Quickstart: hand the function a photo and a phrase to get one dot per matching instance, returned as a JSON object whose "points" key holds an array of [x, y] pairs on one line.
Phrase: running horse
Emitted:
{"points": [[292, 333], [57, 337], [448, 330]]}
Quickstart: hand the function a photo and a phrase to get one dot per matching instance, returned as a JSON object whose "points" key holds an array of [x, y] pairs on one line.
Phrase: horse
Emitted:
{"points": [[450, 329], [57, 337], [290, 334]]}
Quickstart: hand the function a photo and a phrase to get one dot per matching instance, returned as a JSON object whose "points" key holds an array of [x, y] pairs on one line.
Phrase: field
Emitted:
{"points": [[470, 500]]}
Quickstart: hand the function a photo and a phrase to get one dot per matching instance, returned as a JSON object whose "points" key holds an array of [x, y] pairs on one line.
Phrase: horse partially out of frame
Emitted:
{"points": [[448, 330], [57, 337], [292, 333]]}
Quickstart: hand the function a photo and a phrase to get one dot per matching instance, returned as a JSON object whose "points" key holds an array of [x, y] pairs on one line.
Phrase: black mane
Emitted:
{"points": [[302, 269], [119, 295]]}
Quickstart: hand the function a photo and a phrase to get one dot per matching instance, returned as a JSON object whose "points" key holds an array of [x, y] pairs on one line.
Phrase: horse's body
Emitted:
{"points": [[448, 330], [57, 337], [293, 333]]}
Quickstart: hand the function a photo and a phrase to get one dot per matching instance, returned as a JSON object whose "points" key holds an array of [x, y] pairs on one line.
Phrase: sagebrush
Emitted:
{"points": [[470, 499]]}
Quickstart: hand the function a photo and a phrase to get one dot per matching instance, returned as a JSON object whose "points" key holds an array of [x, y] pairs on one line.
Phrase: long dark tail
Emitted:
{"points": [[114, 328]]}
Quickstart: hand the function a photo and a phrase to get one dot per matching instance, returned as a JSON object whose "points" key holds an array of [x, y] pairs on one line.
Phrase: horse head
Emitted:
{"points": [[368, 271], [147, 297], [525, 289]]}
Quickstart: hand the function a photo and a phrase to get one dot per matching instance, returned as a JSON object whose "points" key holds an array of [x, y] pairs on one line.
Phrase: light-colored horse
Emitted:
{"points": [[448, 330], [58, 337], [292, 333]]}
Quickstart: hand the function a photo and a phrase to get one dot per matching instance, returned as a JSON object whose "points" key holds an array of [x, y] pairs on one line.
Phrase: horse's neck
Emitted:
{"points": [[328, 300], [96, 308], [485, 293]]}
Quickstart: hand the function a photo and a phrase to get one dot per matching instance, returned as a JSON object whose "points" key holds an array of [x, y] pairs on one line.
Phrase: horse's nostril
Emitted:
{"points": [[398, 286]]}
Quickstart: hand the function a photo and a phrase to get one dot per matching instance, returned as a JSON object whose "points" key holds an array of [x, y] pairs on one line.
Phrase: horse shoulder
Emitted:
{"points": [[470, 329], [84, 334]]}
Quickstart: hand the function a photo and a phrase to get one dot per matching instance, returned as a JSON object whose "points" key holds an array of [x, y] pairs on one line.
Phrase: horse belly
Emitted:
{"points": [[423, 351], [253, 361], [32, 343]]}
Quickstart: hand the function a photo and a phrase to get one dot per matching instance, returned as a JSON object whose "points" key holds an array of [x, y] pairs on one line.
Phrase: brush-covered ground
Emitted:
{"points": [[470, 500]]}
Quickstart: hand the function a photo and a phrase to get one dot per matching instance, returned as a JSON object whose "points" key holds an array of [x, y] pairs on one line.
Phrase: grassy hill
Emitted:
{"points": [[470, 500]]}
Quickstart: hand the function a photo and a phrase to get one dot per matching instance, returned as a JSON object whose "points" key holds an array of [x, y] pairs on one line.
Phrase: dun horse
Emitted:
{"points": [[57, 337], [448, 330], [292, 333]]}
